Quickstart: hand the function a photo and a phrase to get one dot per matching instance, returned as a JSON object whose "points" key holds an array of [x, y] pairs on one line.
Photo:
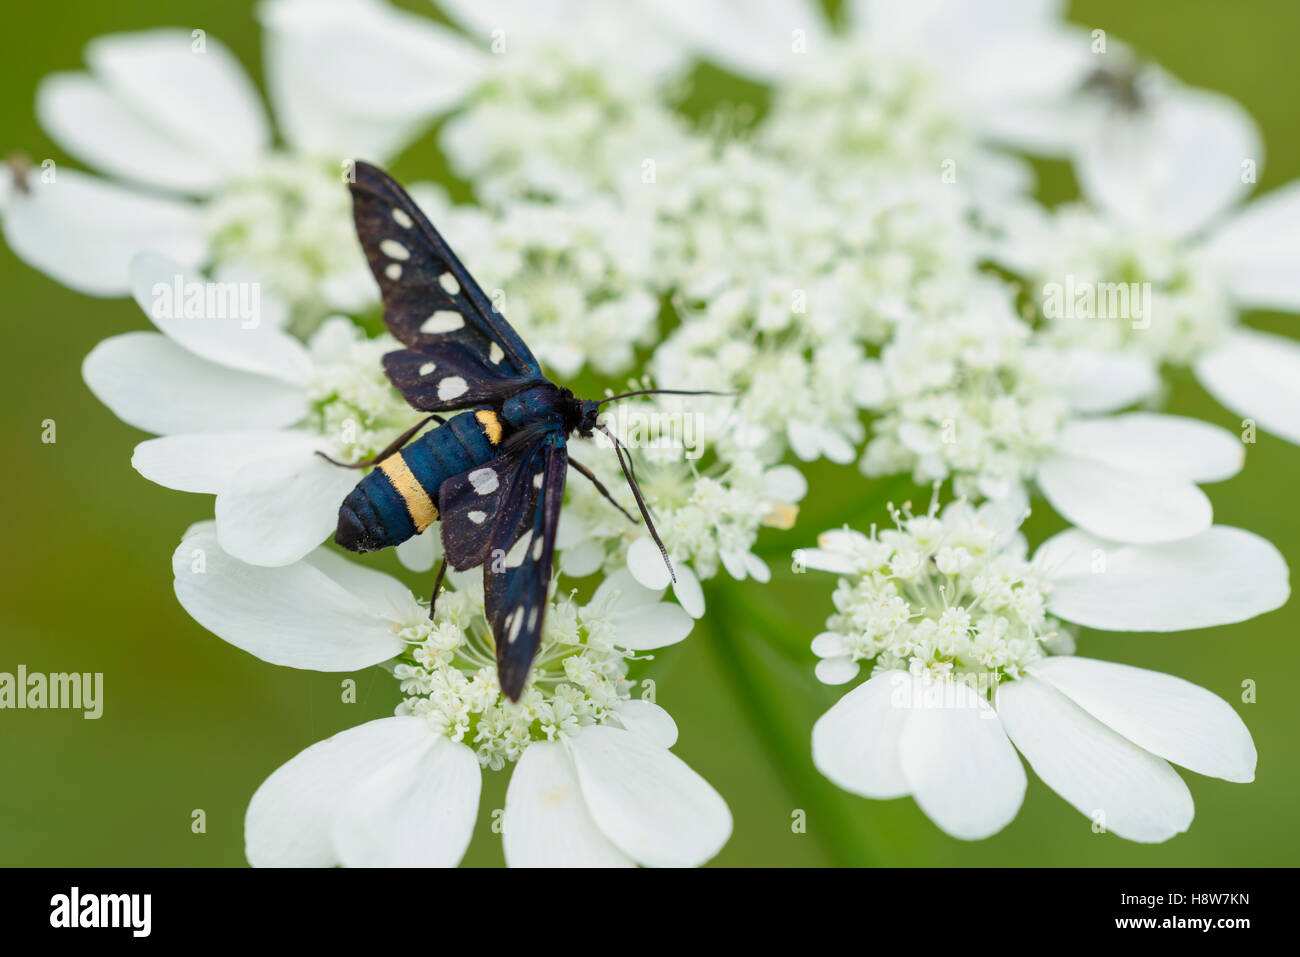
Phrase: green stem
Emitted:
{"points": [[841, 839]]}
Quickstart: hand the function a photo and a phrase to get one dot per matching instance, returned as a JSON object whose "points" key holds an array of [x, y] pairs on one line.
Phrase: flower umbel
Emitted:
{"points": [[945, 594], [448, 675]]}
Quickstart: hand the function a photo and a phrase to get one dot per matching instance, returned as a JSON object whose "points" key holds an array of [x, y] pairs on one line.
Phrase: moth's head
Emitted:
{"points": [[588, 411]]}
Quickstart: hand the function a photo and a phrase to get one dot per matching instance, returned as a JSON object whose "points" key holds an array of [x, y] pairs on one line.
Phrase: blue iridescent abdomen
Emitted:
{"points": [[399, 498]]}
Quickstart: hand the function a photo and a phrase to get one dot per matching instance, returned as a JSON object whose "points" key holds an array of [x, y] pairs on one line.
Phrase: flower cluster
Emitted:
{"points": [[941, 594], [448, 675]]}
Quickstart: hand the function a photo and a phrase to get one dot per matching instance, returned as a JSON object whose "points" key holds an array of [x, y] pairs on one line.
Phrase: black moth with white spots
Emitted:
{"points": [[494, 474]]}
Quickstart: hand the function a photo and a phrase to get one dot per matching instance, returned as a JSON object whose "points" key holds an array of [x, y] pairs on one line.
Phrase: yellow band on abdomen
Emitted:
{"points": [[418, 504]]}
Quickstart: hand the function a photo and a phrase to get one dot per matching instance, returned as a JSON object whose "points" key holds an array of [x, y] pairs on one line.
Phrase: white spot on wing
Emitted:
{"points": [[515, 622], [537, 549], [537, 480], [400, 217], [394, 250], [428, 367], [451, 387], [449, 284], [496, 354], [485, 481], [515, 557], [393, 271], [477, 517], [444, 320]]}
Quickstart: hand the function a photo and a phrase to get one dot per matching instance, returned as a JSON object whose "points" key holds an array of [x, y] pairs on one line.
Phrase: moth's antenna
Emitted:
{"points": [[628, 395], [640, 502]]}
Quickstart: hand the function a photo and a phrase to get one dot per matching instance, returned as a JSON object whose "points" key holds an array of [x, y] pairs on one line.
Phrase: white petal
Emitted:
{"points": [[1122, 505], [361, 78], [837, 448], [647, 565], [958, 763], [1101, 381], [627, 593], [1221, 576], [206, 462], [836, 670], [296, 615], [381, 594], [1152, 444], [647, 801], [1175, 719], [287, 824], [734, 563], [582, 559], [1130, 792], [546, 823], [825, 560], [828, 644], [204, 98], [688, 591], [1257, 376], [651, 626], [417, 810], [163, 289], [757, 568], [648, 720], [730, 34], [805, 442], [1174, 165], [785, 483], [153, 384], [419, 552], [275, 511], [97, 128], [1258, 249], [855, 743], [84, 232]]}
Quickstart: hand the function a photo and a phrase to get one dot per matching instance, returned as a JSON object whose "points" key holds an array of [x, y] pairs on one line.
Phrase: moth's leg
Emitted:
{"points": [[599, 487], [437, 587], [396, 444]]}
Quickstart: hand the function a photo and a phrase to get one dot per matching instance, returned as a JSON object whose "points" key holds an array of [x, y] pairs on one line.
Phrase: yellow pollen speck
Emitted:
{"points": [[781, 515]]}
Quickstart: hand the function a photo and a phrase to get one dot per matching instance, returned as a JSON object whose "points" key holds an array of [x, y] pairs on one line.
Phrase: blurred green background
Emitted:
{"points": [[190, 722]]}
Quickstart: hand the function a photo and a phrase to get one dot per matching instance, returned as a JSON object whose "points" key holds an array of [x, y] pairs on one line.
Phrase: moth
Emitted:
{"points": [[494, 473]]}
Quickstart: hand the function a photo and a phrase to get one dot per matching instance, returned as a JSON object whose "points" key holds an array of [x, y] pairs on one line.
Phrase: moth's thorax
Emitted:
{"points": [[549, 401], [543, 401]]}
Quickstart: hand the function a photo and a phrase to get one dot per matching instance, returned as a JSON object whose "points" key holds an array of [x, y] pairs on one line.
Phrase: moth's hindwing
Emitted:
{"points": [[449, 376], [517, 574], [475, 501]]}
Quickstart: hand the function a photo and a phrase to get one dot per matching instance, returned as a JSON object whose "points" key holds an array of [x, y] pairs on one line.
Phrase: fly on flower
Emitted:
{"points": [[494, 474]]}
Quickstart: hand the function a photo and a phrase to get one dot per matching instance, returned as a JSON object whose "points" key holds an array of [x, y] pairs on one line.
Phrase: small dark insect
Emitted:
{"points": [[1119, 85], [19, 167], [494, 474]]}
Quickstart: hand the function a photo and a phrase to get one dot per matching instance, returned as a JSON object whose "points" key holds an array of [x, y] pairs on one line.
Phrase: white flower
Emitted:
{"points": [[976, 396], [242, 410], [970, 659], [595, 783], [921, 81], [175, 116], [551, 99], [1166, 180]]}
